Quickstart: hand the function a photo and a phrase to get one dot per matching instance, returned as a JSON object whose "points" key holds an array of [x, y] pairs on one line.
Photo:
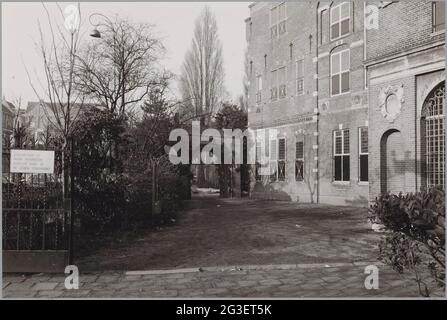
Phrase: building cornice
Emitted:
{"points": [[293, 120], [393, 56]]}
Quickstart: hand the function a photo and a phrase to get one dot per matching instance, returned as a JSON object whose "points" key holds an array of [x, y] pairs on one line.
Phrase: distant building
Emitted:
{"points": [[356, 110], [42, 117], [8, 114]]}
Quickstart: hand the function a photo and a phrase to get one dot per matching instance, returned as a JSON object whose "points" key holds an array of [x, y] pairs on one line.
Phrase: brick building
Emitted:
{"points": [[319, 72], [405, 59]]}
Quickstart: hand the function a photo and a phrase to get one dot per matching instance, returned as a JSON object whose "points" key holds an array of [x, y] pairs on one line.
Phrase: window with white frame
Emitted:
{"points": [[273, 154], [341, 155], [282, 82], [278, 20], [274, 22], [258, 161], [282, 159], [438, 16], [434, 133], [258, 88], [363, 154], [340, 20], [274, 88], [340, 72], [299, 161], [299, 72], [282, 18]]}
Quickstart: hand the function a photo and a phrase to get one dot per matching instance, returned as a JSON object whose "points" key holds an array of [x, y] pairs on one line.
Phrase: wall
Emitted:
{"points": [[413, 59]]}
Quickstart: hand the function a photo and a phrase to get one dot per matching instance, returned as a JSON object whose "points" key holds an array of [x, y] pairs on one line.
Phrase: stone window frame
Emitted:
{"points": [[282, 159], [299, 160], [278, 90], [340, 72], [435, 25], [273, 159], [299, 78], [363, 153], [340, 20], [277, 27], [344, 155], [259, 88], [258, 149]]}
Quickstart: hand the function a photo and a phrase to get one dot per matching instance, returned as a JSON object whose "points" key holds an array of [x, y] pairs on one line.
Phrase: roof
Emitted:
{"points": [[33, 104], [8, 106]]}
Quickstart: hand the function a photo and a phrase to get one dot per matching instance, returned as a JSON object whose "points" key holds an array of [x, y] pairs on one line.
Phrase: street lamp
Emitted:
{"points": [[95, 32]]}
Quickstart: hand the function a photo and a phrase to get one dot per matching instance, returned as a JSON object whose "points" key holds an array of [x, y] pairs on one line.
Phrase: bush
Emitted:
{"points": [[415, 240], [101, 204]]}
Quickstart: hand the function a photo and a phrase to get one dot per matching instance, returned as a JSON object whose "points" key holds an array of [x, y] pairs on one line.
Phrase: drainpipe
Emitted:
{"points": [[317, 109]]}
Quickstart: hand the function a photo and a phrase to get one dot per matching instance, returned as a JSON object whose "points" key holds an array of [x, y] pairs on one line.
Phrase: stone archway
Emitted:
{"points": [[392, 162]]}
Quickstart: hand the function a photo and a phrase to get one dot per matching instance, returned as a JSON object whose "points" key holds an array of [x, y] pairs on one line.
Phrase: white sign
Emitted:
{"points": [[32, 161]]}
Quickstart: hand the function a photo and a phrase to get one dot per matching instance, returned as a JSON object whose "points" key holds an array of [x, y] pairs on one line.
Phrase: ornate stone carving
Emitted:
{"points": [[390, 102]]}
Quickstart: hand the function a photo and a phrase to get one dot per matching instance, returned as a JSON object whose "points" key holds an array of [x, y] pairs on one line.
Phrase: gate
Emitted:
{"points": [[35, 220]]}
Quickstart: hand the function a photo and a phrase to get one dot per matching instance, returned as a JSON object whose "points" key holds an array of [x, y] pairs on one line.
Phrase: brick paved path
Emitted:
{"points": [[310, 280]]}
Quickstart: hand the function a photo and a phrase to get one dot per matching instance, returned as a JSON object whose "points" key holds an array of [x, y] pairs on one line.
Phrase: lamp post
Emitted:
{"points": [[95, 33]]}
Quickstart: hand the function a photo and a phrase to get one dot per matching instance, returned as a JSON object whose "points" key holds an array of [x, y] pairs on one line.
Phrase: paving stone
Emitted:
{"points": [[19, 294], [162, 293], [270, 282], [108, 278], [88, 278], [214, 291], [77, 293], [49, 294], [246, 283], [225, 284], [191, 293], [13, 278], [19, 286], [44, 286]]}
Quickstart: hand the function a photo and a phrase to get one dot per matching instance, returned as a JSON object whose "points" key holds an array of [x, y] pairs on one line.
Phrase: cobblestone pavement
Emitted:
{"points": [[286, 281]]}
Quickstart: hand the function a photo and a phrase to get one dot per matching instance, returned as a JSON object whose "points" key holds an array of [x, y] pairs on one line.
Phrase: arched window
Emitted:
{"points": [[433, 132]]}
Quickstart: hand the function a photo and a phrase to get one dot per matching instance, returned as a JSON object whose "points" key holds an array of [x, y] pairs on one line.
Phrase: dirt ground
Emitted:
{"points": [[224, 232]]}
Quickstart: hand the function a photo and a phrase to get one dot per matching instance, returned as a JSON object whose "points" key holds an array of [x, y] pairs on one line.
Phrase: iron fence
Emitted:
{"points": [[34, 215]]}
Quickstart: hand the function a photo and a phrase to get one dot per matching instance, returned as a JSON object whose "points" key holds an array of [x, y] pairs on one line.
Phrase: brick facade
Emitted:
{"points": [[412, 60], [343, 76]]}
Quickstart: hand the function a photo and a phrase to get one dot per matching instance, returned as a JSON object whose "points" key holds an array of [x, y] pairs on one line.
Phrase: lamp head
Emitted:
{"points": [[95, 33]]}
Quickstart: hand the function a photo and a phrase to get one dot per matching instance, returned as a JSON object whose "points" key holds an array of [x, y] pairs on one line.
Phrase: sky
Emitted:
{"points": [[174, 23]]}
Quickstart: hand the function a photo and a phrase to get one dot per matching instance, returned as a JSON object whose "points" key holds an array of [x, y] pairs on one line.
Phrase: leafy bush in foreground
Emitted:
{"points": [[415, 239]]}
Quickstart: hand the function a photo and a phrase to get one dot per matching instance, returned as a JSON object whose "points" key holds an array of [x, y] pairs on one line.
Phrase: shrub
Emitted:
{"points": [[415, 240], [101, 204]]}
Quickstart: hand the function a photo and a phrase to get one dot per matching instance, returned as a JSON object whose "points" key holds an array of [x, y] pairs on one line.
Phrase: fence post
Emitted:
{"points": [[70, 207], [154, 190]]}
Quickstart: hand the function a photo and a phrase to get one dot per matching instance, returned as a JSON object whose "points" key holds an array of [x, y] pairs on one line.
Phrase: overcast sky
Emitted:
{"points": [[174, 23]]}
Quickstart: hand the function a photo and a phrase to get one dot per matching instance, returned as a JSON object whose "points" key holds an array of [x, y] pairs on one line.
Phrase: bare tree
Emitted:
{"points": [[243, 98], [119, 69], [59, 59], [202, 76], [21, 134]]}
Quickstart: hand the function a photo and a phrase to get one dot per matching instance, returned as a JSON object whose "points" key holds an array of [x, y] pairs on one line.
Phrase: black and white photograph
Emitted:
{"points": [[223, 150]]}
